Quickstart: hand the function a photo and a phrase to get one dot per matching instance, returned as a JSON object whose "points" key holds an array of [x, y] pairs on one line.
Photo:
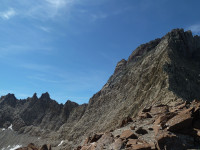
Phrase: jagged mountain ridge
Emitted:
{"points": [[43, 112], [161, 71]]}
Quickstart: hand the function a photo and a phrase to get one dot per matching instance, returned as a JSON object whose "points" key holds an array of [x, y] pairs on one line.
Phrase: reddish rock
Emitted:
{"points": [[128, 134], [138, 144], [126, 121], [133, 142], [144, 115], [182, 106], [85, 147], [30, 146], [87, 140], [156, 128], [95, 138], [92, 146], [180, 122], [153, 145], [196, 103], [49, 147], [160, 122], [132, 127], [162, 119], [173, 110], [189, 111], [160, 109], [144, 146]]}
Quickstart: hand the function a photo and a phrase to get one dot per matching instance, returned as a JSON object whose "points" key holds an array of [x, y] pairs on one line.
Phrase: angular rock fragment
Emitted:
{"points": [[144, 115], [128, 134], [144, 146], [180, 122], [160, 109]]}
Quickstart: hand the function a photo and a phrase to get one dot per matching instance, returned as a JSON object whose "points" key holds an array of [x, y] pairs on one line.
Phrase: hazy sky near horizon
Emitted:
{"points": [[71, 47]]}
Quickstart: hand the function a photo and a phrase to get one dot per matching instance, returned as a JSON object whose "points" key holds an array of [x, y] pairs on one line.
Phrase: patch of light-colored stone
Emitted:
{"points": [[15, 147], [61, 143], [10, 127]]}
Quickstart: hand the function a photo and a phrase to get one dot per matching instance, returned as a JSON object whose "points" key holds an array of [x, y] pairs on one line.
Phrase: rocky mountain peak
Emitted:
{"points": [[9, 99], [184, 43], [142, 50], [69, 103], [45, 96], [34, 97], [10, 96]]}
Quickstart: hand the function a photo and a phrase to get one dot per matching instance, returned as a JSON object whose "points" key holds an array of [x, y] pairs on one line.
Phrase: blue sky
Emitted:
{"points": [[71, 47]]}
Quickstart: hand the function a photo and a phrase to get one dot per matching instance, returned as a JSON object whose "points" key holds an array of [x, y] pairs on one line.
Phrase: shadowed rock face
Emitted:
{"points": [[159, 72], [184, 69]]}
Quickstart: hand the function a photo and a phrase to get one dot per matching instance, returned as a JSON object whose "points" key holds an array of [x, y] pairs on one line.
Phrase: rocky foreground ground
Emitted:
{"points": [[158, 127], [161, 127]]}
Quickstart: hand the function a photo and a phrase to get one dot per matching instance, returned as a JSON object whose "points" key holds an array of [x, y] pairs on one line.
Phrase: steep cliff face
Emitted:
{"points": [[162, 71]]}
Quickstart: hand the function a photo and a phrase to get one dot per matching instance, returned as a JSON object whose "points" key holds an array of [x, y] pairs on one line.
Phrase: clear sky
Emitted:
{"points": [[71, 47]]}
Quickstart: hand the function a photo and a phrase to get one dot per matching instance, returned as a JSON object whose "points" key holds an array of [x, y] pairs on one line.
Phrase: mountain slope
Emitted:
{"points": [[162, 71]]}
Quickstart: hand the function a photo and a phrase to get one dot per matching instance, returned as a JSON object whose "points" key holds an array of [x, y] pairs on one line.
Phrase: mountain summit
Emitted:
{"points": [[163, 71]]}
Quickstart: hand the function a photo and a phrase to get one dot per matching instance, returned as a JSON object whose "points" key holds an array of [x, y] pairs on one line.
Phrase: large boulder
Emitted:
{"points": [[180, 122]]}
